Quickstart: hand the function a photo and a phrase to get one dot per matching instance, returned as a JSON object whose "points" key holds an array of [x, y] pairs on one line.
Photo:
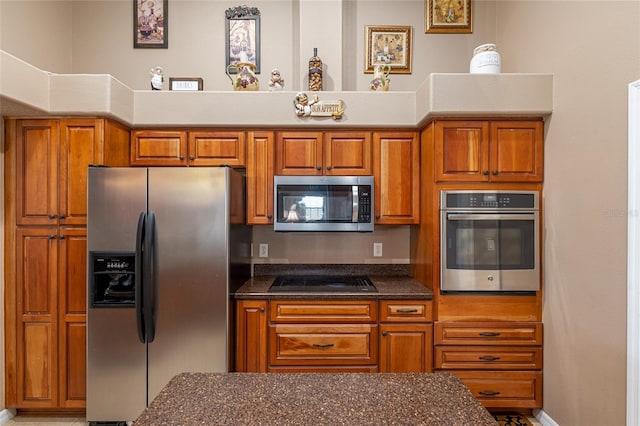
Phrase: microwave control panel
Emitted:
{"points": [[364, 203]]}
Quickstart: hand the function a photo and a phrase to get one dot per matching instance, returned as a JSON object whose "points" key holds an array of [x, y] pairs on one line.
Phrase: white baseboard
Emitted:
{"points": [[5, 416], [544, 418]]}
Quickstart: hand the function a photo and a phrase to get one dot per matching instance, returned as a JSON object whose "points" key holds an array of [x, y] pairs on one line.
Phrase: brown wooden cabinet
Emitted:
{"points": [[406, 336], [323, 153], [501, 362], [488, 150], [46, 162], [397, 178], [251, 336], [187, 148], [260, 169]]}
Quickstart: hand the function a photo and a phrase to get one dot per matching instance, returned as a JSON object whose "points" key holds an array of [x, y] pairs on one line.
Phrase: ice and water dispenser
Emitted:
{"points": [[113, 279]]}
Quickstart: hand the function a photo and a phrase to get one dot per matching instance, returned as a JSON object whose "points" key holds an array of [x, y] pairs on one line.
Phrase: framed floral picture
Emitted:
{"points": [[388, 45], [448, 16], [243, 36], [150, 24]]}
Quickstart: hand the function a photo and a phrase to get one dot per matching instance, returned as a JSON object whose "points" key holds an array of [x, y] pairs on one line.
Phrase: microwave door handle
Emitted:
{"points": [[354, 195], [480, 216]]}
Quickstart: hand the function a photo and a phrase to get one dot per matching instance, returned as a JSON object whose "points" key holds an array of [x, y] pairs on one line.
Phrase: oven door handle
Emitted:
{"points": [[499, 216]]}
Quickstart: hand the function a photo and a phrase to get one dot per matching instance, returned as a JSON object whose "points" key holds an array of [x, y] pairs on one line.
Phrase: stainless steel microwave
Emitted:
{"points": [[323, 203]]}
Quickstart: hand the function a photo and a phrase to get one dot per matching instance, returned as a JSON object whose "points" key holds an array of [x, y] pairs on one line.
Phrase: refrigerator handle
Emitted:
{"points": [[149, 278], [138, 277]]}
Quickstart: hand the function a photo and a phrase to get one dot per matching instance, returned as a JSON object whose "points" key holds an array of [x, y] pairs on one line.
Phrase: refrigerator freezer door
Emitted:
{"points": [[116, 360], [191, 207]]}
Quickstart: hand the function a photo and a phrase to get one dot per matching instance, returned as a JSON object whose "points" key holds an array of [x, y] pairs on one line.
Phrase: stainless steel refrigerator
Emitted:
{"points": [[167, 247]]}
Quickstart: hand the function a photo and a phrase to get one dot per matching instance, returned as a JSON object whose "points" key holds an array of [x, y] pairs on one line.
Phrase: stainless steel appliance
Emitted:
{"points": [[489, 241], [322, 284], [323, 203], [164, 255]]}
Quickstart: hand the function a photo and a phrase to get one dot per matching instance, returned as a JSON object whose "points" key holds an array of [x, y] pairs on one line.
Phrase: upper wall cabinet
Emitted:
{"points": [[488, 151], [397, 178], [182, 148], [52, 157], [323, 153]]}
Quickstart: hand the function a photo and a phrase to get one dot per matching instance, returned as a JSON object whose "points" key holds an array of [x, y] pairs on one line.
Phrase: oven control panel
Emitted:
{"points": [[495, 200]]}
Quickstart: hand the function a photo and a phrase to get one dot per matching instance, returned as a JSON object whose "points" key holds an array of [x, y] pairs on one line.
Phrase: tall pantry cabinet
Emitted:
{"points": [[46, 163]]}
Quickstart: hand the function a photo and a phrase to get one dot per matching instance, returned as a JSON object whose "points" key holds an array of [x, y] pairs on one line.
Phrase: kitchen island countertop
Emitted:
{"points": [[389, 287], [315, 399]]}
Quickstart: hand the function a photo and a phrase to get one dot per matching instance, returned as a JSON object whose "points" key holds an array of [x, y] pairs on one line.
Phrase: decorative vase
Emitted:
{"points": [[245, 76], [380, 82], [485, 60]]}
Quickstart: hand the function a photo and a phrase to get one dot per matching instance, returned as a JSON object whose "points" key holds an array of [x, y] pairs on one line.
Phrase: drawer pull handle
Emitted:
{"points": [[323, 345], [489, 334], [489, 393], [407, 311], [489, 358]]}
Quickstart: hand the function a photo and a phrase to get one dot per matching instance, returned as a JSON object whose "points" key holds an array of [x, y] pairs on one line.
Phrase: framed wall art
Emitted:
{"points": [[150, 24], [243, 36], [388, 45], [448, 16]]}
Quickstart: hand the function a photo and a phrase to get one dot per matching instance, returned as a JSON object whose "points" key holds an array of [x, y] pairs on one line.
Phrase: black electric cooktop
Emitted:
{"points": [[322, 284]]}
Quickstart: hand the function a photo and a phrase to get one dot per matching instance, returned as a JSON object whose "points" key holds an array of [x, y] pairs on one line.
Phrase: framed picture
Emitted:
{"points": [[447, 16], [243, 36], [388, 45], [150, 24], [185, 84]]}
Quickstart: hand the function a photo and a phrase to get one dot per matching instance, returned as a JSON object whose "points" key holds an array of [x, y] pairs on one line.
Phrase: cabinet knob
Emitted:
{"points": [[269, 217], [52, 216], [328, 167], [318, 168], [61, 237], [495, 173], [384, 333], [261, 309], [191, 157], [62, 216], [486, 172], [52, 237], [377, 217], [181, 157]]}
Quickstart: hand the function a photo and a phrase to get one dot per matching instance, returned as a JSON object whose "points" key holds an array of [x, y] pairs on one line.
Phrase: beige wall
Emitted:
{"points": [[592, 48]]}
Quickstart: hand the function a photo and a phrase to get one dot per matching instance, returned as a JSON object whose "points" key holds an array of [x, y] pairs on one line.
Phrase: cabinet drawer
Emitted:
{"points": [[488, 358], [406, 311], [505, 389], [309, 344], [484, 333], [324, 312]]}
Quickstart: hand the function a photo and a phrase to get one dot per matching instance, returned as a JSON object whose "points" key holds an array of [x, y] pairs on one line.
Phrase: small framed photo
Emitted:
{"points": [[150, 24], [444, 16], [243, 36], [388, 45], [186, 84]]}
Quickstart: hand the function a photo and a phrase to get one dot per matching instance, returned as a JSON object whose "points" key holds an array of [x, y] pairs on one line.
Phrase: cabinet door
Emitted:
{"points": [[347, 154], [461, 150], [81, 144], [397, 178], [406, 348], [72, 299], [299, 153], [36, 308], [251, 336], [516, 151], [260, 152], [37, 146], [216, 149], [158, 148]]}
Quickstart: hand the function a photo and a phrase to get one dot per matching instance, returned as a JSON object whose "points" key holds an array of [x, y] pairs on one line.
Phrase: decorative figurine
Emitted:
{"points": [[302, 104], [315, 72], [380, 82], [156, 78], [276, 82]]}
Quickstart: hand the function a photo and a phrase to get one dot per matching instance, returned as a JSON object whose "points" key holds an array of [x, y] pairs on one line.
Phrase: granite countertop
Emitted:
{"points": [[315, 399], [389, 287]]}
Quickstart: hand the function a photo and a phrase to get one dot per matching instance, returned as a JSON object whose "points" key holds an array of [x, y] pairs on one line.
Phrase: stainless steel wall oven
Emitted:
{"points": [[489, 241]]}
